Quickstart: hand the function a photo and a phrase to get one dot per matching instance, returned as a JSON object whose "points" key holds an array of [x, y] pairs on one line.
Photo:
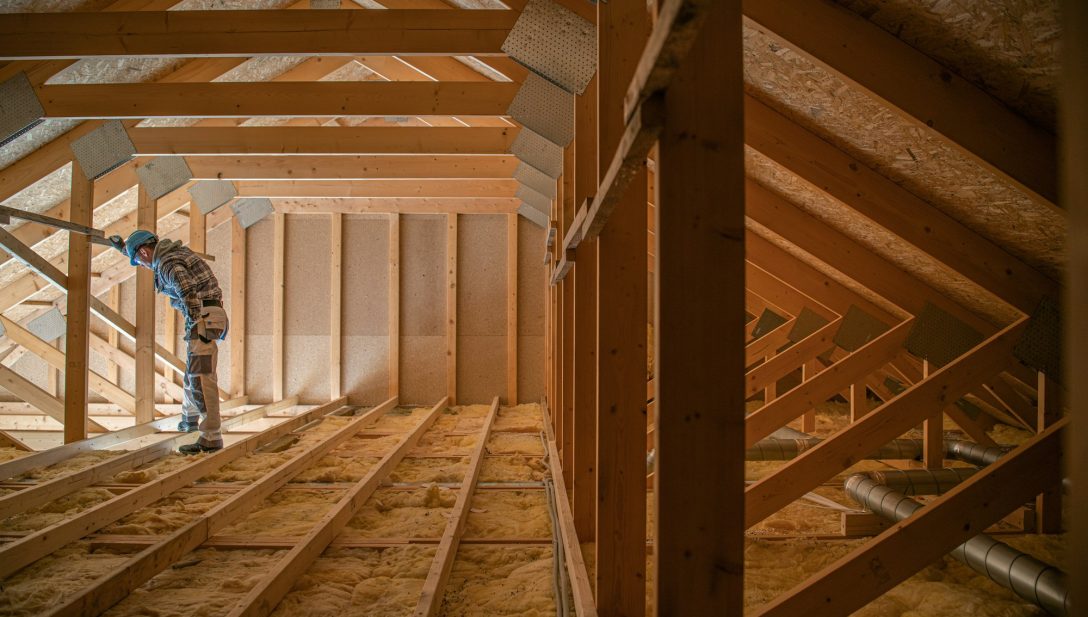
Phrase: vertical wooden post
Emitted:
{"points": [[451, 307], [567, 285], [198, 230], [1074, 144], [557, 365], [145, 318], [169, 334], [859, 401], [585, 324], [77, 336], [280, 222], [113, 371], [237, 309], [808, 371], [700, 347], [394, 304], [335, 274], [511, 309], [623, 28], [1048, 505], [932, 434]]}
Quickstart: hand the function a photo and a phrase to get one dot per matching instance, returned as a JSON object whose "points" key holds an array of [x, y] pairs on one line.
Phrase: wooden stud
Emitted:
{"points": [[26, 390], [567, 285], [78, 283], [512, 309], [932, 433], [335, 294], [145, 318], [777, 367], [451, 308], [859, 401], [398, 205], [237, 309], [353, 167], [1048, 505], [113, 371], [169, 335], [394, 304], [278, 257]]}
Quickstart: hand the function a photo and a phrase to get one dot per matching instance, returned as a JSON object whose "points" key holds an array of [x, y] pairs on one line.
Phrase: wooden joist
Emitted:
{"points": [[350, 167], [253, 99], [28, 391], [398, 205], [473, 188]]}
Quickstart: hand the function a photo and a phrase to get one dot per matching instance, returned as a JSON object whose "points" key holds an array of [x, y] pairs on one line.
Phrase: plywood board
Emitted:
{"points": [[366, 276], [481, 368], [365, 369], [481, 277], [423, 277], [258, 281], [423, 369], [530, 287], [530, 368], [306, 308]]}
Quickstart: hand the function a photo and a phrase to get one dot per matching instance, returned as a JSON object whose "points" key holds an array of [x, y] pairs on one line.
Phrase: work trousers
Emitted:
{"points": [[201, 400]]}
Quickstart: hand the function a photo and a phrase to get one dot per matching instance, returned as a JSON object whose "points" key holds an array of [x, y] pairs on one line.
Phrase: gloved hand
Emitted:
{"points": [[118, 243]]}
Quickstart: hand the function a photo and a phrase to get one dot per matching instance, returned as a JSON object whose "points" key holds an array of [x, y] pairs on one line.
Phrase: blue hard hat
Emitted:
{"points": [[137, 239]]}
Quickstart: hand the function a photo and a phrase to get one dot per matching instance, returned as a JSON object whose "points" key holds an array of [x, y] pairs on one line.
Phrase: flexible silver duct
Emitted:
{"points": [[971, 452], [1027, 577]]}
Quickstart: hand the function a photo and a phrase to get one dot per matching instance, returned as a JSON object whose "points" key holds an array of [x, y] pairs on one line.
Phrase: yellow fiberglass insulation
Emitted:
{"points": [[46, 582], [10, 454], [520, 419], [167, 514], [337, 467], [287, 512], [78, 462], [434, 443], [513, 469], [515, 443], [391, 513], [509, 514], [423, 470], [56, 510], [495, 581], [398, 419], [368, 582]]}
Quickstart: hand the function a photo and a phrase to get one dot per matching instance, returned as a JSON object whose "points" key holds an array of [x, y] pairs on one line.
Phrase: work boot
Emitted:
{"points": [[186, 426], [197, 448]]}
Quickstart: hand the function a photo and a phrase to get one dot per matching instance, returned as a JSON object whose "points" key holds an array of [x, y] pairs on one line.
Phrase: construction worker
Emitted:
{"points": [[187, 280]]}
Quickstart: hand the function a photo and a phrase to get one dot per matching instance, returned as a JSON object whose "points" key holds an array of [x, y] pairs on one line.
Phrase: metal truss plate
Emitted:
{"points": [[50, 326], [164, 174], [807, 323], [545, 108], [858, 328], [211, 194], [537, 151], [939, 337], [768, 320], [534, 199], [553, 41], [20, 109], [325, 4], [533, 215], [535, 179], [1041, 347], [250, 211], [103, 149]]}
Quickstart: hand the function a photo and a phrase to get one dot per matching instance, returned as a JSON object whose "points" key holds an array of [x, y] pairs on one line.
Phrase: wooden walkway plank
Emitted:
{"points": [[115, 586], [29, 549], [45, 492], [266, 594], [430, 599]]}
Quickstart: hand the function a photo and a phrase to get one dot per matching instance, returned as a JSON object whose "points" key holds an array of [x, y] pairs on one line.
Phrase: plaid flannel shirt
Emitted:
{"points": [[185, 278]]}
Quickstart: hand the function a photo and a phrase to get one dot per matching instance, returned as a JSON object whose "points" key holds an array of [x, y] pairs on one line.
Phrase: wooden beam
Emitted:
{"points": [[145, 318], [882, 425], [434, 586], [932, 98], [24, 389], [512, 309], [908, 546], [78, 285], [789, 360], [277, 99], [699, 534], [398, 205], [238, 282], [322, 140], [350, 167], [254, 32], [336, 230], [127, 363], [474, 188], [113, 370], [273, 586], [1048, 504], [394, 304], [278, 258], [451, 307]]}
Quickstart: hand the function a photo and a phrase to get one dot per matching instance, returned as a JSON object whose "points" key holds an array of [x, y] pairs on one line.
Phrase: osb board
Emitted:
{"points": [[481, 275], [1009, 48], [366, 276], [920, 162], [259, 239], [481, 368], [259, 367], [365, 369], [306, 275], [530, 368], [422, 369], [423, 275], [531, 281], [306, 367], [877, 239]]}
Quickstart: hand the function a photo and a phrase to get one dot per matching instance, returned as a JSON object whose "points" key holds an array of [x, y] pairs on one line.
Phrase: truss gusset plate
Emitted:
{"points": [[164, 174], [545, 108], [252, 210], [939, 337], [208, 195], [20, 109], [530, 147], [50, 326], [534, 199], [533, 215], [103, 149], [554, 42]]}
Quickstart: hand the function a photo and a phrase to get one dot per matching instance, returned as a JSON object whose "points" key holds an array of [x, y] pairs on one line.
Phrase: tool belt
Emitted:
{"points": [[212, 325]]}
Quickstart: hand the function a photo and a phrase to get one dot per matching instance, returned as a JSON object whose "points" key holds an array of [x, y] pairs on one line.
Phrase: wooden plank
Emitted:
{"points": [[399, 187], [323, 140], [451, 307], [908, 546], [394, 304], [827, 383], [125, 361], [256, 99], [237, 309], [113, 370], [335, 294], [145, 318], [922, 91], [274, 585], [26, 390], [9, 441], [111, 588], [699, 465], [278, 257], [434, 586], [398, 205], [78, 285], [789, 360], [253, 32], [30, 548], [351, 166], [882, 425], [1048, 504], [511, 309]]}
